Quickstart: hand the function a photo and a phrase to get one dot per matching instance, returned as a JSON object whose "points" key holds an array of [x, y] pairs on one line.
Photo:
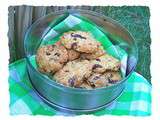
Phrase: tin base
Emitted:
{"points": [[74, 111]]}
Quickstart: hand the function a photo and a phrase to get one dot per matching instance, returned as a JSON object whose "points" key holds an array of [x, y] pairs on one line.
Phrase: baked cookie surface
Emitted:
{"points": [[97, 80], [80, 41], [90, 56], [113, 77], [51, 58], [104, 63], [85, 85], [73, 73], [72, 55], [109, 78]]}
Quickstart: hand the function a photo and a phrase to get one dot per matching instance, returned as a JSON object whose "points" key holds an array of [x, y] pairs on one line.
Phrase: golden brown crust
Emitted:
{"points": [[72, 55], [104, 63], [51, 58], [80, 41], [73, 73], [100, 51]]}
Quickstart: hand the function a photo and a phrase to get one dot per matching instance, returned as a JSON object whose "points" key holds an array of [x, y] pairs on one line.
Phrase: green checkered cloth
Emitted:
{"points": [[134, 101]]}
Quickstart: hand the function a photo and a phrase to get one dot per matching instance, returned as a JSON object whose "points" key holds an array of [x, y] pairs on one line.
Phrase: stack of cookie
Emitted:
{"points": [[78, 60]]}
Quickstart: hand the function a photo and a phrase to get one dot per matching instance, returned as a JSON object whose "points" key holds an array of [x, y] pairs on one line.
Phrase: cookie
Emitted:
{"points": [[113, 77], [72, 55], [51, 58], [78, 60], [85, 85], [109, 78], [105, 62], [97, 80], [80, 41], [100, 51], [73, 73]]}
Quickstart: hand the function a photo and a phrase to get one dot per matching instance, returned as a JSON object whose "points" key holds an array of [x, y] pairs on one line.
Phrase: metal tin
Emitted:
{"points": [[76, 100]]}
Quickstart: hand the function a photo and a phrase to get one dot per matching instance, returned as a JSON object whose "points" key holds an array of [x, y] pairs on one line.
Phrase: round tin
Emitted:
{"points": [[77, 100]]}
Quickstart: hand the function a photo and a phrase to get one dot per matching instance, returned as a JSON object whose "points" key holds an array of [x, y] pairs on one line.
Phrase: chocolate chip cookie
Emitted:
{"points": [[51, 58], [100, 51], [73, 73], [104, 63], [109, 78], [80, 41], [72, 55], [97, 80], [85, 85], [113, 77], [78, 60]]}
